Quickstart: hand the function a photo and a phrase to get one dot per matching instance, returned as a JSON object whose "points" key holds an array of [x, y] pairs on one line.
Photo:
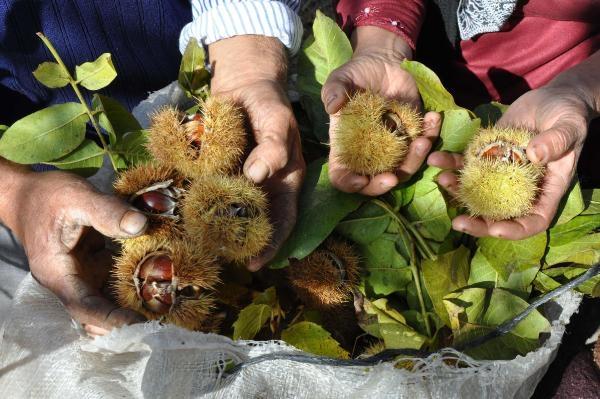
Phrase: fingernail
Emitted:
{"points": [[386, 186], [357, 184], [330, 99], [540, 154], [133, 222], [258, 171], [421, 149]]}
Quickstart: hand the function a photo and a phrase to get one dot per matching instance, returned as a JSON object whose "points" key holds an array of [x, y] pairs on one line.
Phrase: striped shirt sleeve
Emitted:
{"points": [[219, 19]]}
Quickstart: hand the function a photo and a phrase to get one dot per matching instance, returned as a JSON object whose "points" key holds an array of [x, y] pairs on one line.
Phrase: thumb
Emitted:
{"points": [[554, 143], [109, 215], [334, 91], [267, 158]]}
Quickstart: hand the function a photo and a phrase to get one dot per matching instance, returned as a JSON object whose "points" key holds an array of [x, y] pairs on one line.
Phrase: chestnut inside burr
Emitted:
{"points": [[157, 285], [505, 152], [394, 123], [159, 199], [194, 128]]}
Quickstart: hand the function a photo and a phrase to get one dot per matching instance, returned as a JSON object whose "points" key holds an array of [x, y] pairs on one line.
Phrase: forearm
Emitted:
{"points": [[584, 78], [11, 188]]}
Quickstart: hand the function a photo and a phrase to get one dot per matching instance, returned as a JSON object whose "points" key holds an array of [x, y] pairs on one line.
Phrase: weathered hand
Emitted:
{"points": [[560, 117], [61, 219], [375, 65], [252, 70]]}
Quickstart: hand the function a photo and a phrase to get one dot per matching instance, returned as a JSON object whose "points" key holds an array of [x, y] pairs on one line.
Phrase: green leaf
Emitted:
{"points": [[457, 130], [268, 297], [312, 338], [320, 208], [132, 147], [490, 113], [435, 96], [591, 199], [518, 281], [310, 93], [3, 128], [475, 311], [85, 160], [387, 270], [365, 224], [446, 274], [329, 49], [52, 75], [584, 250], [571, 205], [545, 283], [96, 74], [569, 273], [428, 210], [114, 118], [193, 75], [578, 227], [507, 256], [383, 321], [45, 135], [251, 320]]}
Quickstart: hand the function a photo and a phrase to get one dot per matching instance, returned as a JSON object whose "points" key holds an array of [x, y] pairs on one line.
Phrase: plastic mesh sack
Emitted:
{"points": [[44, 354]]}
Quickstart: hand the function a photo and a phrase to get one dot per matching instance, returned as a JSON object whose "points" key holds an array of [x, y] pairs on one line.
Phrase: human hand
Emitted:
{"points": [[560, 117], [252, 70], [375, 65], [60, 219]]}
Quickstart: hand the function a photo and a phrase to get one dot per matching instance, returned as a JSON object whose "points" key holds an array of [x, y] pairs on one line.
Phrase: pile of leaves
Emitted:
{"points": [[423, 286]]}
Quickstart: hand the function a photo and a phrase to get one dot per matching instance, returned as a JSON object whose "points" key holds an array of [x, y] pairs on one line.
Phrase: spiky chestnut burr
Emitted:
{"points": [[230, 213], [498, 181], [327, 277], [211, 141], [373, 134], [167, 279]]}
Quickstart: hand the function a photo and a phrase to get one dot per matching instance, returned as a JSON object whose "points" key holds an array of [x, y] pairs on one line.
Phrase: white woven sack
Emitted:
{"points": [[44, 355]]}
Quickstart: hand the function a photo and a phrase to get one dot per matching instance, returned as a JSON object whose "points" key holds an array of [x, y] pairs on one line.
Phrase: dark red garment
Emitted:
{"points": [[542, 39]]}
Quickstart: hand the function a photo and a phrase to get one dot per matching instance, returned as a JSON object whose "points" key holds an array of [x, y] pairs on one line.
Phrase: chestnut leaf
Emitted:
{"points": [[45, 135], [85, 160], [52, 75], [96, 74]]}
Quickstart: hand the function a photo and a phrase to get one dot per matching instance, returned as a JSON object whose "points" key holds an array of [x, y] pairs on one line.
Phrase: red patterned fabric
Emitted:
{"points": [[542, 39]]}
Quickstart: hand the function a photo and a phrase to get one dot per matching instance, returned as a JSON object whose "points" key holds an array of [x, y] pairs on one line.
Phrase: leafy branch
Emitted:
{"points": [[74, 85]]}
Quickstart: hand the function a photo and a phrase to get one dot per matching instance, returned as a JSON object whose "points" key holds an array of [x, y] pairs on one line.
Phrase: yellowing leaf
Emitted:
{"points": [[250, 321], [435, 96], [52, 75], [446, 274], [312, 338], [96, 74]]}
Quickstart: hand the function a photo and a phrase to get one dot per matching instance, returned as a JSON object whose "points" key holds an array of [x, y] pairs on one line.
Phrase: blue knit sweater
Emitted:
{"points": [[141, 35]]}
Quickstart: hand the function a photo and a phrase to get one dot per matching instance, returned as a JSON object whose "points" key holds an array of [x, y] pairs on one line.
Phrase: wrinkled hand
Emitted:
{"points": [[252, 70], [60, 219], [560, 117], [375, 65]]}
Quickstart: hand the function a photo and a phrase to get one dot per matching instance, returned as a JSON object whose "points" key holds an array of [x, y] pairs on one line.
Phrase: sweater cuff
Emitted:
{"points": [[249, 17], [401, 17]]}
